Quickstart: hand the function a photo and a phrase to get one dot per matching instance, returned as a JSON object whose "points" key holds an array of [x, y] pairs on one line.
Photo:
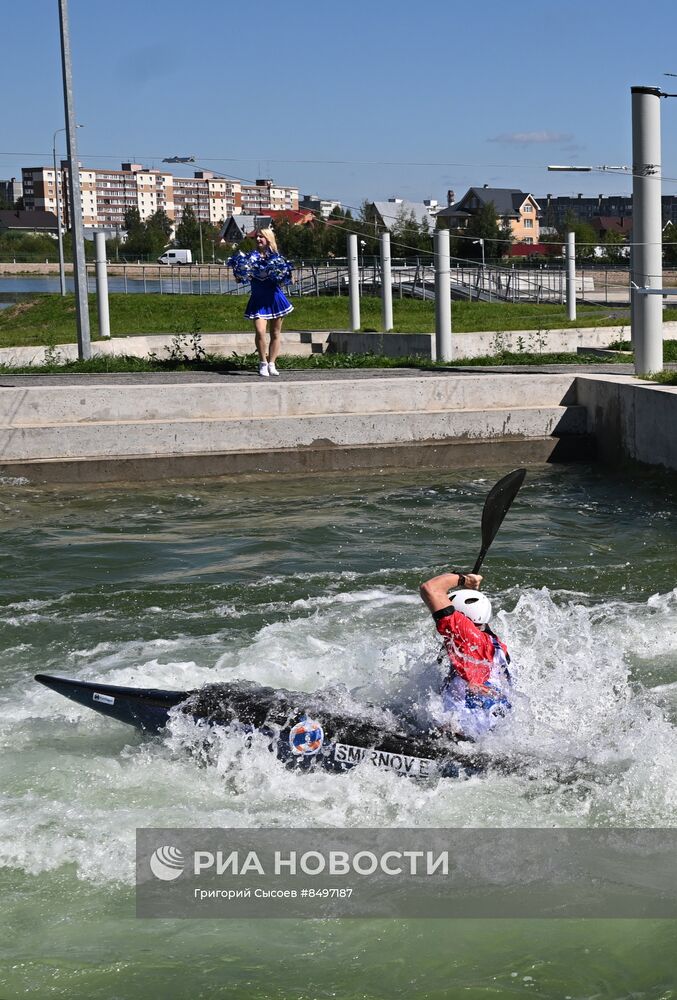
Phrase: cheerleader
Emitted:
{"points": [[266, 270]]}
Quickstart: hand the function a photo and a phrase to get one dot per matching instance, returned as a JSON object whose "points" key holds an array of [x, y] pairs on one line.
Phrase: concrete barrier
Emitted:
{"points": [[94, 401], [303, 343], [82, 430], [630, 419]]}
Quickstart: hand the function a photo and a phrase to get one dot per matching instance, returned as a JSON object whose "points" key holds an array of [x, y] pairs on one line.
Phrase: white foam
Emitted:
{"points": [[596, 747]]}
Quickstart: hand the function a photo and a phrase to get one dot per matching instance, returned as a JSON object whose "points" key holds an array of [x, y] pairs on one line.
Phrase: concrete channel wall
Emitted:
{"points": [[99, 429], [90, 429], [630, 419]]}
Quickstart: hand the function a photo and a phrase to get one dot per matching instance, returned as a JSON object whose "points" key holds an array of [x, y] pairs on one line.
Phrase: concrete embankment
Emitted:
{"points": [[138, 427], [142, 427]]}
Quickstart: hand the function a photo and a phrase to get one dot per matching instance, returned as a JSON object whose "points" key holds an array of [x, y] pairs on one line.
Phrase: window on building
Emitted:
{"points": [[528, 223], [528, 208]]}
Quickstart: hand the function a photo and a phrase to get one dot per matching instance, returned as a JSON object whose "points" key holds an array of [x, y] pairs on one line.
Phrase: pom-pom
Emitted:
{"points": [[258, 266], [279, 270], [241, 267]]}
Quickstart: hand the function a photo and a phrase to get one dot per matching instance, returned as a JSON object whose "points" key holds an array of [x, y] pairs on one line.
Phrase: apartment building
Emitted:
{"points": [[108, 194], [321, 207], [10, 191], [265, 194]]}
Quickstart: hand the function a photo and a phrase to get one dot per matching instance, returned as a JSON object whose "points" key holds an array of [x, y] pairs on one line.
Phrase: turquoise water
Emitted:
{"points": [[307, 584]]}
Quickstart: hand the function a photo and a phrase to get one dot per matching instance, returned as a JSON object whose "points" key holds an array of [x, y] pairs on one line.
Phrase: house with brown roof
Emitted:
{"points": [[37, 223], [516, 208], [604, 224]]}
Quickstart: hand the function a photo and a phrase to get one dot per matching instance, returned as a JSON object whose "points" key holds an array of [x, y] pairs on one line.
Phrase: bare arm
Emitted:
{"points": [[435, 592]]}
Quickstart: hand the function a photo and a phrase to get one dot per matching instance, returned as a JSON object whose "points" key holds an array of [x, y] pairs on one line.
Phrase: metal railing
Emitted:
{"points": [[414, 278]]}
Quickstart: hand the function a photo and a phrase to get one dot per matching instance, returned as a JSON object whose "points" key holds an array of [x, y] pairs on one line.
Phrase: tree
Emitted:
{"points": [[136, 244], [670, 243], [586, 237], [485, 225], [615, 247], [188, 233], [408, 236]]}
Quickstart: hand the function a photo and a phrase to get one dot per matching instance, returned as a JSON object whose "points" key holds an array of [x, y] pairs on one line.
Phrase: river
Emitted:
{"points": [[307, 583]]}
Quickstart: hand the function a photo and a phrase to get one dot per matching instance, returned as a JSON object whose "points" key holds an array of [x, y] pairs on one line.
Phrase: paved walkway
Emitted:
{"points": [[303, 375]]}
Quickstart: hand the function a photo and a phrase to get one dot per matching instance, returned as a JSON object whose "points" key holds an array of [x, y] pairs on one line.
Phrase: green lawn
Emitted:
{"points": [[50, 319]]}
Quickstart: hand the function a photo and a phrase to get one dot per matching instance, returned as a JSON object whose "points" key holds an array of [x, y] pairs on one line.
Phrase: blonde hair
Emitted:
{"points": [[269, 235]]}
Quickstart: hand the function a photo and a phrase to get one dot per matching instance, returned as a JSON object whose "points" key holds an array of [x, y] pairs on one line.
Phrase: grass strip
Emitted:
{"points": [[50, 319]]}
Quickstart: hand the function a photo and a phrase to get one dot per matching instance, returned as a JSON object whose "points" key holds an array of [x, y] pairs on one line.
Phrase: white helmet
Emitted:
{"points": [[473, 605]]}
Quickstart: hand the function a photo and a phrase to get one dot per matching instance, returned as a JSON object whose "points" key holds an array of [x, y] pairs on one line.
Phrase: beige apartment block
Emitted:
{"points": [[108, 194], [265, 194]]}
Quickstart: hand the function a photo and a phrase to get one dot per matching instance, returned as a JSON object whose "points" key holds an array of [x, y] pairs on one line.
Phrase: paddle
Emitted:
{"points": [[496, 506]]}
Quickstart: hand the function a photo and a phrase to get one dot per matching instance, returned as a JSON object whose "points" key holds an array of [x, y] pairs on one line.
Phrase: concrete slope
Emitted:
{"points": [[108, 431], [150, 437], [249, 398]]}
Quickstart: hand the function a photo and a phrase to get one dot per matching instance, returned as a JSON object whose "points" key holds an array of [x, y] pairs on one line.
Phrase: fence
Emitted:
{"points": [[413, 278]]}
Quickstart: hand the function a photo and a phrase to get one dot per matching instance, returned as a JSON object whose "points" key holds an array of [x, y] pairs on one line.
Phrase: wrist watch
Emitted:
{"points": [[461, 579]]}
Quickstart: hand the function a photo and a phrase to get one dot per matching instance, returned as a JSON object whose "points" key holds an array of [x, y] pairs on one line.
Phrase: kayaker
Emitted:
{"points": [[475, 694]]}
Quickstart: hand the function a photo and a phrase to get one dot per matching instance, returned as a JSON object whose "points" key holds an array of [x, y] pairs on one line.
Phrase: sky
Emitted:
{"points": [[355, 100]]}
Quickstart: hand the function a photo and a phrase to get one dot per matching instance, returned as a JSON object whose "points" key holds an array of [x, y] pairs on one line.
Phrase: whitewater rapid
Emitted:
{"points": [[593, 723]]}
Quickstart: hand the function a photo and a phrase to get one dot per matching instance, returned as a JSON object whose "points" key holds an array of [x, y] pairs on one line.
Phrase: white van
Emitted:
{"points": [[176, 257]]}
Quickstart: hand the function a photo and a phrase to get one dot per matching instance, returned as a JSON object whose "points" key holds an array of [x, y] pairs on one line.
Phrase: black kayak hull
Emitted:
{"points": [[304, 730]]}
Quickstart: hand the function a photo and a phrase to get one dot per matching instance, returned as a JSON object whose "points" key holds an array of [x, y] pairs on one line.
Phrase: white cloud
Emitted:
{"points": [[526, 138]]}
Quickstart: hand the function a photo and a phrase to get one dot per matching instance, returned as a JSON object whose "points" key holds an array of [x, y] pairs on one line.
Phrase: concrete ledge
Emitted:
{"points": [[118, 439], [508, 452], [486, 344], [303, 343], [97, 401], [297, 343], [631, 419]]}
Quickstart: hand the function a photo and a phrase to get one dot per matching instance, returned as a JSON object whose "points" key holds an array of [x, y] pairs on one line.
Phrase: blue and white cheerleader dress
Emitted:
{"points": [[266, 273]]}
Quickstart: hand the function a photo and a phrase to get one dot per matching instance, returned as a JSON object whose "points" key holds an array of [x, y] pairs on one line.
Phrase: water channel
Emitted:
{"points": [[309, 583]]}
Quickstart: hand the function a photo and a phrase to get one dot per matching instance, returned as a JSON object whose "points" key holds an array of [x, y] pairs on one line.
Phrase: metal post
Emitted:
{"points": [[386, 283], [79, 266], [647, 263], [62, 266], [353, 283], [102, 285], [571, 276], [443, 350]]}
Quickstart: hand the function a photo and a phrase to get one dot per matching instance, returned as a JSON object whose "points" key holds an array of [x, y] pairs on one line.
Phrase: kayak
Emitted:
{"points": [[304, 730]]}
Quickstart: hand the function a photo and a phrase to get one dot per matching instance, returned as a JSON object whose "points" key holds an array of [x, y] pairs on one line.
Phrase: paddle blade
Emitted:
{"points": [[496, 506]]}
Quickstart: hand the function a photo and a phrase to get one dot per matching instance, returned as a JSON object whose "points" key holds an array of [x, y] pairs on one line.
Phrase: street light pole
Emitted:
{"points": [[481, 243], [57, 178], [62, 267], [79, 264]]}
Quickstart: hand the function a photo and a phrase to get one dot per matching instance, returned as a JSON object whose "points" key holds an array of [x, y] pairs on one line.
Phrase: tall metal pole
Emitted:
{"points": [[647, 262], [386, 283], [571, 276], [353, 283], [62, 266], [443, 350], [79, 264]]}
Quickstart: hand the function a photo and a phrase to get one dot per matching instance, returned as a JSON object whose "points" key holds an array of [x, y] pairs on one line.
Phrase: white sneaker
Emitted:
{"points": [[272, 370], [263, 369]]}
